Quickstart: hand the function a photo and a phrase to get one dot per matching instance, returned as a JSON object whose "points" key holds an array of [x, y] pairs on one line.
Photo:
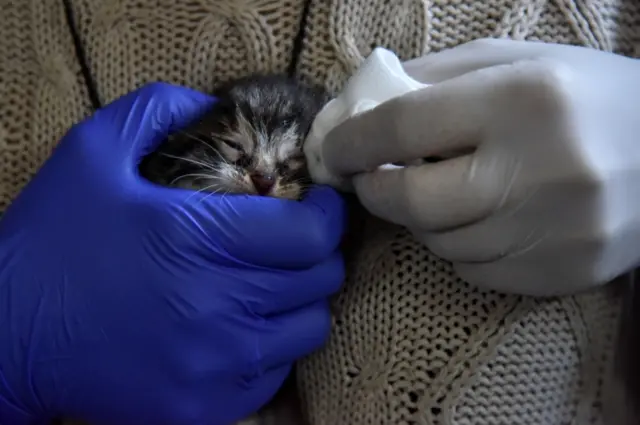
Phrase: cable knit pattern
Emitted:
{"points": [[341, 33], [197, 43], [411, 343], [41, 89]]}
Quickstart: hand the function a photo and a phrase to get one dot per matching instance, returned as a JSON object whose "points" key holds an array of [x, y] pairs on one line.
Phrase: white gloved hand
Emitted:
{"points": [[548, 202]]}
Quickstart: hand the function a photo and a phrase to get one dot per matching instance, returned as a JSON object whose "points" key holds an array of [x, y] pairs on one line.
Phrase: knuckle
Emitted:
{"points": [[547, 80], [541, 88], [551, 76], [77, 131], [156, 89], [79, 143], [83, 131], [76, 136]]}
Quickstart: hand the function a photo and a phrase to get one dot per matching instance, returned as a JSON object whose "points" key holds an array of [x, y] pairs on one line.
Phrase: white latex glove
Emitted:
{"points": [[549, 201]]}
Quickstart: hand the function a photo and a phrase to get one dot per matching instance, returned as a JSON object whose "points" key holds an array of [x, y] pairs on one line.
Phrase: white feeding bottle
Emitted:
{"points": [[380, 78]]}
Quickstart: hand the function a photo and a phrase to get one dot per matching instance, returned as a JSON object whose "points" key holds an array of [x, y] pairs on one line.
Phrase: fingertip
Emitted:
{"points": [[304, 287], [381, 193], [322, 315], [319, 315], [189, 104], [328, 202], [257, 392], [329, 210], [302, 331], [336, 274], [325, 197], [169, 91], [143, 118], [174, 107]]}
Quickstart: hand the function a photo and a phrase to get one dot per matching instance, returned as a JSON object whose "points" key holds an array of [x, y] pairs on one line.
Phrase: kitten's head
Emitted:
{"points": [[250, 141]]}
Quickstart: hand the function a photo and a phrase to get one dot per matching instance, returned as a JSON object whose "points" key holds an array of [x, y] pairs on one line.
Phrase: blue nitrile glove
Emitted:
{"points": [[123, 302]]}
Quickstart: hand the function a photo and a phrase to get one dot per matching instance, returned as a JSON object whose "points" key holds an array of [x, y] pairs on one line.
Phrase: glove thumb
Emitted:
{"points": [[143, 118]]}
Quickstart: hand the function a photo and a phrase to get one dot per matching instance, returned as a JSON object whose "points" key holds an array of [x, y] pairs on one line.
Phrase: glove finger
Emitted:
{"points": [[290, 290], [184, 409], [432, 197], [143, 118], [486, 241], [435, 121], [261, 389], [261, 231], [472, 56], [287, 337]]}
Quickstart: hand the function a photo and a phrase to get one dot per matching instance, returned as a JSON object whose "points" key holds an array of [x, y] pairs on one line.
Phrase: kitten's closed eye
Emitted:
{"points": [[233, 145], [239, 157], [283, 168]]}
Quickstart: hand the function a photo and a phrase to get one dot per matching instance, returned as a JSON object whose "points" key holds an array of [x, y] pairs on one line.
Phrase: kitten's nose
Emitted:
{"points": [[263, 182]]}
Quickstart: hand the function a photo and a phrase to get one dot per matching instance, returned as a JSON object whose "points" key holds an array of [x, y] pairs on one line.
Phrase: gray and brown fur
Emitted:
{"points": [[249, 142]]}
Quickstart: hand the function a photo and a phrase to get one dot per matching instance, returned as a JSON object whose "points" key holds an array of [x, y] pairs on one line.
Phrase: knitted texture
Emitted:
{"points": [[197, 43], [341, 33], [411, 343], [41, 89]]}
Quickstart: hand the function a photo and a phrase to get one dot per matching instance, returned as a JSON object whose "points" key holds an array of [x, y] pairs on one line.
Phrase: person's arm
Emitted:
{"points": [[127, 303], [546, 198]]}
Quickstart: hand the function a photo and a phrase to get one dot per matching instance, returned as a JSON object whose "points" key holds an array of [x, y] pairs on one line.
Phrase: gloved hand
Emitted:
{"points": [[545, 197], [123, 302]]}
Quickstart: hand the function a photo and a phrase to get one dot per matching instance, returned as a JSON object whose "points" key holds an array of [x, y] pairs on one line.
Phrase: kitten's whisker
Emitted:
{"points": [[202, 190], [222, 159], [216, 137], [214, 193], [214, 150], [198, 139], [199, 176], [208, 189], [192, 161]]}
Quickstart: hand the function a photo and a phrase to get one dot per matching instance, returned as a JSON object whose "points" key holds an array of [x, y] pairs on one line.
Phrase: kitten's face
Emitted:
{"points": [[235, 154], [250, 142]]}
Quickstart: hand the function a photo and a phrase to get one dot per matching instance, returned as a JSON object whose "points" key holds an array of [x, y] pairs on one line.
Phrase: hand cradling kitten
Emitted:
{"points": [[249, 142]]}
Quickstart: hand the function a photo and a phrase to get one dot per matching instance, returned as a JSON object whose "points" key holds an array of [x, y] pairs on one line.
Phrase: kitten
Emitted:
{"points": [[249, 142]]}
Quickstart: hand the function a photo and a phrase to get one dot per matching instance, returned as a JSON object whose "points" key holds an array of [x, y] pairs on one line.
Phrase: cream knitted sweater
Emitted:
{"points": [[411, 343]]}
